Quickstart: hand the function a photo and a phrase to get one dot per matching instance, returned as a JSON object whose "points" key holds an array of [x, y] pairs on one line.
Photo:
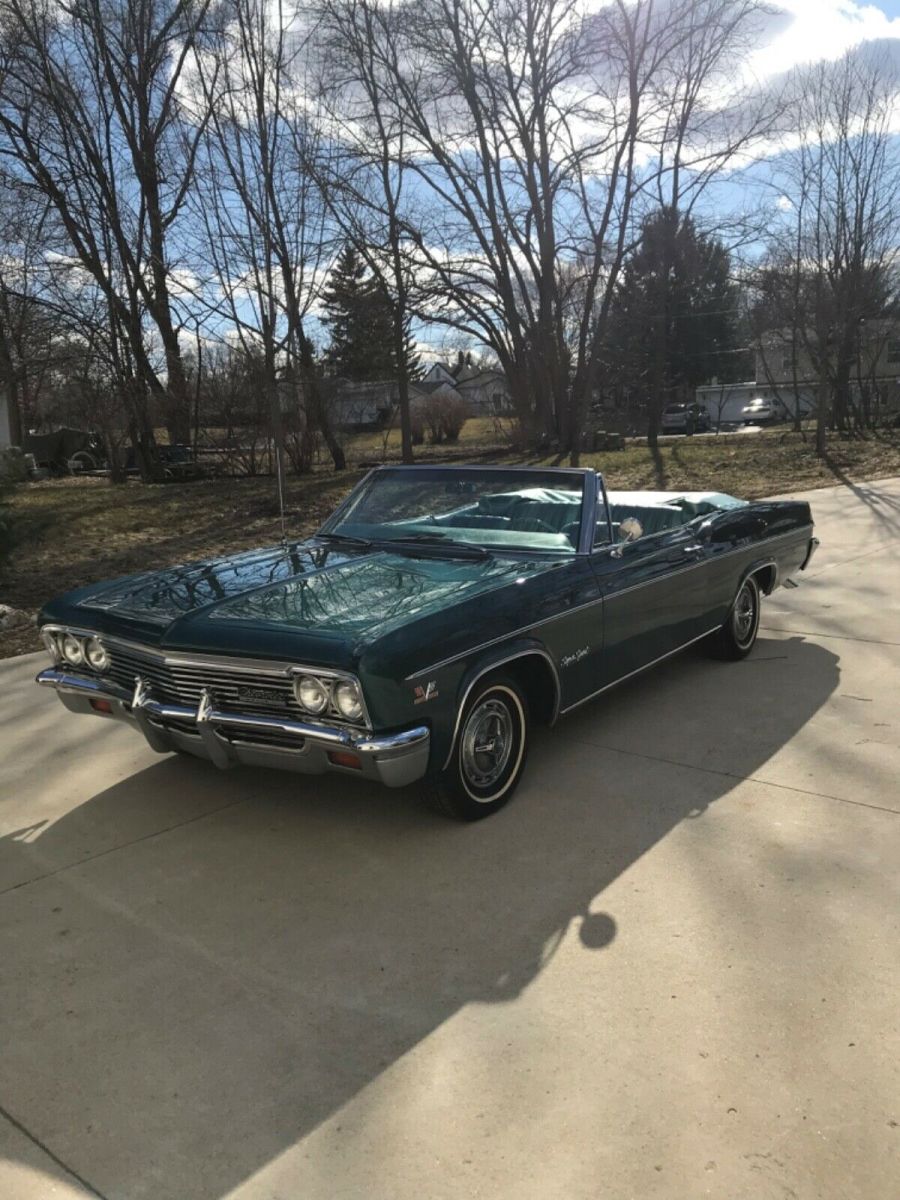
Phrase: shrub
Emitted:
{"points": [[444, 415], [13, 466], [6, 533], [13, 469], [417, 424]]}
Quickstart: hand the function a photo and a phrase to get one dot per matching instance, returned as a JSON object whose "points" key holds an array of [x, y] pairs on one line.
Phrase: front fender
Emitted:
{"points": [[492, 660]]}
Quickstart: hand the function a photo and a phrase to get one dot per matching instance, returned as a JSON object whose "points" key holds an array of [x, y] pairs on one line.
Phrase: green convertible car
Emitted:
{"points": [[435, 616]]}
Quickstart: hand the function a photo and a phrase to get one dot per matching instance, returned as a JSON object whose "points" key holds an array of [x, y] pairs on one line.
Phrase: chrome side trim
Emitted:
{"points": [[535, 625], [503, 637], [534, 652], [639, 670]]}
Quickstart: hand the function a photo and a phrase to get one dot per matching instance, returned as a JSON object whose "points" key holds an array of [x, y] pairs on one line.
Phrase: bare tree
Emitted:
{"points": [[25, 333], [259, 202], [91, 115], [366, 187], [531, 132], [832, 266]]}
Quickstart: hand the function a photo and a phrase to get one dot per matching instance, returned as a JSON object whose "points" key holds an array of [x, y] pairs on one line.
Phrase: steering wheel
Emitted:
{"points": [[534, 525], [521, 520]]}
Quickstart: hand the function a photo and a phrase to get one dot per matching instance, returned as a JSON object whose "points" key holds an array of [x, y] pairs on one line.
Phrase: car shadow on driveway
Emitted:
{"points": [[184, 1007]]}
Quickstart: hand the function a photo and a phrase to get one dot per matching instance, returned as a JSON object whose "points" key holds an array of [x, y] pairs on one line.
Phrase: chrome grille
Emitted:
{"points": [[183, 683]]}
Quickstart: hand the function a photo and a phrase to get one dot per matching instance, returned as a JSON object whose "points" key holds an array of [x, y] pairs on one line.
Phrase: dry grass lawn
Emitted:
{"points": [[70, 532]]}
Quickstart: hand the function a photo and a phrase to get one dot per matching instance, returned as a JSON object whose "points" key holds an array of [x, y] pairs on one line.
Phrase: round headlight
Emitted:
{"points": [[52, 645], [96, 655], [72, 652], [311, 694], [348, 700]]}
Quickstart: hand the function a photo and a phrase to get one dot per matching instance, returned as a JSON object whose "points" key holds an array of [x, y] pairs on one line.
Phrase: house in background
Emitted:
{"points": [[484, 389], [366, 404], [788, 375], [370, 404]]}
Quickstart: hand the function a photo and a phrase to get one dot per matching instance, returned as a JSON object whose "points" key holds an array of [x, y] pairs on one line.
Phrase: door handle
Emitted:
{"points": [[694, 548]]}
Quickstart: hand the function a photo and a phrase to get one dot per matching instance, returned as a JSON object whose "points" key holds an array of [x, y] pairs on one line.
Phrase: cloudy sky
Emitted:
{"points": [[812, 30]]}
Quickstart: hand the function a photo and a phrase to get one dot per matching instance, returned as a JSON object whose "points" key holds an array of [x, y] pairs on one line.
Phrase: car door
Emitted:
{"points": [[653, 593]]}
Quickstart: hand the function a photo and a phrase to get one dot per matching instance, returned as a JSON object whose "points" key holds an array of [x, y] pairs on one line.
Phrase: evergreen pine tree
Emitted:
{"points": [[701, 330], [360, 318]]}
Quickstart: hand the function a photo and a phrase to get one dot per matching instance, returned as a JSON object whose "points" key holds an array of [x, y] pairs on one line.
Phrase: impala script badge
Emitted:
{"points": [[266, 695], [568, 660]]}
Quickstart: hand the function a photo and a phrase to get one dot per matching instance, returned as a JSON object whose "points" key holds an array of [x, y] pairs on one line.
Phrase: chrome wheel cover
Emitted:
{"points": [[743, 618], [487, 743]]}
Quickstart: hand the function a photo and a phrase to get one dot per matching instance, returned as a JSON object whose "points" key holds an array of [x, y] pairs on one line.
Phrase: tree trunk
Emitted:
{"points": [[406, 444], [14, 411], [316, 406], [822, 412]]}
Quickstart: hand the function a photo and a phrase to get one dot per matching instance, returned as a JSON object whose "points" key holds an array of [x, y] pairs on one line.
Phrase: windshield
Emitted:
{"points": [[496, 509]]}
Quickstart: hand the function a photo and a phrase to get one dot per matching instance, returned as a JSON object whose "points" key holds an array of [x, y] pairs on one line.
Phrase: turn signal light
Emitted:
{"points": [[342, 758], [103, 706]]}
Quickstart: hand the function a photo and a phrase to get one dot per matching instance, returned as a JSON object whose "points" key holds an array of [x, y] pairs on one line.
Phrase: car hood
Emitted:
{"points": [[303, 601]]}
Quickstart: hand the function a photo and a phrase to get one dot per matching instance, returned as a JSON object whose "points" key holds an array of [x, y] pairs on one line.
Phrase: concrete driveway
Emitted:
{"points": [[670, 968]]}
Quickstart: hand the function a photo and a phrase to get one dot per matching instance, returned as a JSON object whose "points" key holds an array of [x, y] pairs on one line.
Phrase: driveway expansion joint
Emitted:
{"points": [[45, 1149], [834, 637], [124, 846], [783, 787]]}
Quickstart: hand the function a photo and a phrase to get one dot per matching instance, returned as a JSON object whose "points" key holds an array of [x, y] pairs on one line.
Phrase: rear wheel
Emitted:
{"points": [[737, 636], [489, 753]]}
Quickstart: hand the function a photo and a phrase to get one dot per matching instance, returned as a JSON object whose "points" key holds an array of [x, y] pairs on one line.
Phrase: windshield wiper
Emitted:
{"points": [[348, 538], [440, 541]]}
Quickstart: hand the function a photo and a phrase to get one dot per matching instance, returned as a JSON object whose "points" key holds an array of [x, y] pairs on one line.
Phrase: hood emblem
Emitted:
{"points": [[427, 692]]}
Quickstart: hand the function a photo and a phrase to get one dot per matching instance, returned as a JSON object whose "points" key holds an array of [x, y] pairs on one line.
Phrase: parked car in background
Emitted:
{"points": [[685, 418], [65, 451], [435, 618], [762, 410]]}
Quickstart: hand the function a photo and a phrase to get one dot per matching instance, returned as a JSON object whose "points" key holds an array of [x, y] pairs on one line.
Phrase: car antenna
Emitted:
{"points": [[279, 476], [278, 446]]}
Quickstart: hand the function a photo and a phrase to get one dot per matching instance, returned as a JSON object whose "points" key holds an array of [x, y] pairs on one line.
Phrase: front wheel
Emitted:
{"points": [[737, 636], [488, 755]]}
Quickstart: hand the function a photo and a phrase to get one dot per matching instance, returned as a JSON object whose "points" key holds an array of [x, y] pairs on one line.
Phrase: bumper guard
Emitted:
{"points": [[394, 759]]}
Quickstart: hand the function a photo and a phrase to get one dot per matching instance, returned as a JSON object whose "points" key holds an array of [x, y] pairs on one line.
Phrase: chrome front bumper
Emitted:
{"points": [[227, 738]]}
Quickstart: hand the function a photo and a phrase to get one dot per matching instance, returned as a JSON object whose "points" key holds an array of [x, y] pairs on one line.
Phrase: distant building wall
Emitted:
{"points": [[726, 400]]}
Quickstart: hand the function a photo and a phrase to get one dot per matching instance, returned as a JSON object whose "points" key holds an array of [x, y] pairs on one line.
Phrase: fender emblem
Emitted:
{"points": [[568, 660], [428, 692]]}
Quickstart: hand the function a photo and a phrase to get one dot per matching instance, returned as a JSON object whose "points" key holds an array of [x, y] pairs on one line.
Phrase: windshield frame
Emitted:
{"points": [[591, 482]]}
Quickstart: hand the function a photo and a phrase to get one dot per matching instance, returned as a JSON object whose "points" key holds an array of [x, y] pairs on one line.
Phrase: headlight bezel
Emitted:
{"points": [[100, 668], [70, 642], [329, 681], [308, 679], [341, 688], [57, 638], [52, 645]]}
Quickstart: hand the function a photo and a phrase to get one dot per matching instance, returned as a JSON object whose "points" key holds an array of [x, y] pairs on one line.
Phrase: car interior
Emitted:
{"points": [[546, 511]]}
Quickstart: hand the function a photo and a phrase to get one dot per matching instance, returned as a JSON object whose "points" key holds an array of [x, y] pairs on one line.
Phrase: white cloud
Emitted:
{"points": [[816, 30]]}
